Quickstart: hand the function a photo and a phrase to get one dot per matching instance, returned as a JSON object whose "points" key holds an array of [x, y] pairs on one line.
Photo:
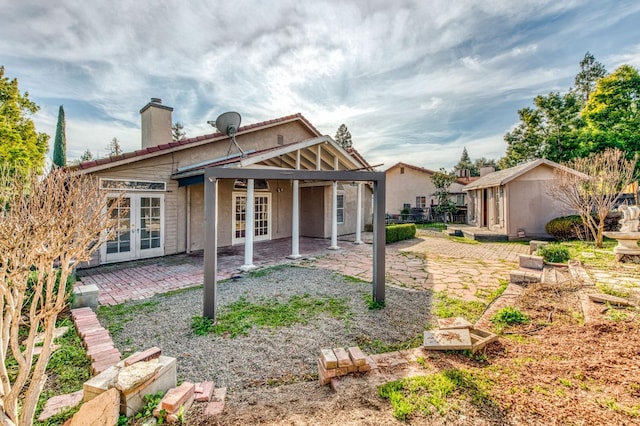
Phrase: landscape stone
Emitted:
{"points": [[530, 261], [102, 410], [447, 339], [60, 403], [449, 323], [136, 374], [613, 300], [57, 332]]}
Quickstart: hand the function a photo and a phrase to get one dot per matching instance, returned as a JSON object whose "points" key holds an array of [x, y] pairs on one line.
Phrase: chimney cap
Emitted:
{"points": [[156, 103]]}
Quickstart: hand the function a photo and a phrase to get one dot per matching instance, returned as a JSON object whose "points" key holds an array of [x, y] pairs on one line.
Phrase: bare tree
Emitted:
{"points": [[47, 227], [114, 147], [593, 196]]}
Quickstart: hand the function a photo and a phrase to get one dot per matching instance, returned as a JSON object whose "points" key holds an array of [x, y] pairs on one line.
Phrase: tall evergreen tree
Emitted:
{"points": [[343, 137], [590, 71], [465, 163], [60, 143]]}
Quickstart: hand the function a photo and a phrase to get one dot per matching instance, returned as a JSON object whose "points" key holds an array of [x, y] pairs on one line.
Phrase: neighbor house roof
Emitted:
{"points": [[502, 177], [459, 180], [172, 146]]}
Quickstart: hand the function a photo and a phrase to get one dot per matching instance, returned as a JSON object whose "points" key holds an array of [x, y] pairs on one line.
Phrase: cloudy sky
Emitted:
{"points": [[414, 81]]}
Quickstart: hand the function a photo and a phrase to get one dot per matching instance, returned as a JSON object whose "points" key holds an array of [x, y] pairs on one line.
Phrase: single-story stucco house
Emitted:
{"points": [[162, 211], [515, 202], [410, 188]]}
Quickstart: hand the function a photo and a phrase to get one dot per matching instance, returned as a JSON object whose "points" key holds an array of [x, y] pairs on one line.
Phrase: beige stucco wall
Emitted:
{"points": [[530, 205], [524, 204], [180, 218], [312, 200], [404, 188]]}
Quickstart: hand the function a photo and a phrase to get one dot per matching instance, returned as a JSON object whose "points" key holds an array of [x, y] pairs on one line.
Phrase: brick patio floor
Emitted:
{"points": [[430, 261]]}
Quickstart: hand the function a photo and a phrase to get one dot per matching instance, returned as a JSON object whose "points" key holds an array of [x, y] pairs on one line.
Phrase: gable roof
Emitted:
{"points": [[459, 180], [502, 177], [153, 151]]}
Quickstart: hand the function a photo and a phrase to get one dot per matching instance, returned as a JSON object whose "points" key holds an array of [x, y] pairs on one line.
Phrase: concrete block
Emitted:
{"points": [[131, 403], [534, 245], [530, 261], [85, 296], [453, 339], [522, 277]]}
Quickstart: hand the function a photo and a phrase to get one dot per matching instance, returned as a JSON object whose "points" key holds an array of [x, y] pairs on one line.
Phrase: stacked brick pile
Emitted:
{"points": [[96, 339], [179, 399], [338, 362]]}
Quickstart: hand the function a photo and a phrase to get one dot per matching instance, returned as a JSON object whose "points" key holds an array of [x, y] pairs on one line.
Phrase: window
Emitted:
{"points": [[340, 208], [459, 199], [421, 202], [401, 170], [406, 206]]}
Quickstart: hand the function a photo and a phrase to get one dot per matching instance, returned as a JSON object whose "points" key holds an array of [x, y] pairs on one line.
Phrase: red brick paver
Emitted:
{"points": [[430, 261]]}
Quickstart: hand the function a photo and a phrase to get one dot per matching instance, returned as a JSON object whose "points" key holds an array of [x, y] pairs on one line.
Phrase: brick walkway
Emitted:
{"points": [[430, 261]]}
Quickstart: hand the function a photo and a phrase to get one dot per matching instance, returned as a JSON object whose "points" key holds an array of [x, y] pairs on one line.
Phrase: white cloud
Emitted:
{"points": [[409, 78]]}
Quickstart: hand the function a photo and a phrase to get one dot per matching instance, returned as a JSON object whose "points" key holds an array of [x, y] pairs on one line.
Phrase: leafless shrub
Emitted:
{"points": [[47, 227]]}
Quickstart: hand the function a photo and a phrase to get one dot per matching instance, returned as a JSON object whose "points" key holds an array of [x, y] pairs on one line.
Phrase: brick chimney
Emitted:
{"points": [[156, 123]]}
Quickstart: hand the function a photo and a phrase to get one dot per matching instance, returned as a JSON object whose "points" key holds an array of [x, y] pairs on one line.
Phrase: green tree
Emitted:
{"points": [[484, 162], [343, 137], [60, 142], [442, 181], [612, 113], [550, 130], [177, 131], [465, 163], [585, 81], [22, 149]]}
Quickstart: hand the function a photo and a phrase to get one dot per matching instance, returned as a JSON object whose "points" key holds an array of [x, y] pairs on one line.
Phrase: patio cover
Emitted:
{"points": [[211, 176]]}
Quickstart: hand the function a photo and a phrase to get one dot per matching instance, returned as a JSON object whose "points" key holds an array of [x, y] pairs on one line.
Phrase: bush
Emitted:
{"points": [[554, 253], [572, 228], [566, 228], [509, 316], [400, 232]]}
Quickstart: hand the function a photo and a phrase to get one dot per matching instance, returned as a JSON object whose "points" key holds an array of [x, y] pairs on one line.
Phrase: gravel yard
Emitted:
{"points": [[269, 355]]}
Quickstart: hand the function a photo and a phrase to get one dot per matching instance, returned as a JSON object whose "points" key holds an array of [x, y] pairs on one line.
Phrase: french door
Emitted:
{"points": [[139, 228], [261, 217]]}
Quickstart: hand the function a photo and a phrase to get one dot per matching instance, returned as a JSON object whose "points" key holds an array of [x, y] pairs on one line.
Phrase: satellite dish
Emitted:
{"points": [[229, 123]]}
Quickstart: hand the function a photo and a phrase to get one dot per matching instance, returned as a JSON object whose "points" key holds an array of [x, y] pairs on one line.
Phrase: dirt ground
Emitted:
{"points": [[554, 370]]}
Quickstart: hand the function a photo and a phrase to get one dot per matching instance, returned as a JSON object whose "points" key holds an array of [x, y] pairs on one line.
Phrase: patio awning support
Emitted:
{"points": [[210, 247], [211, 176], [359, 215]]}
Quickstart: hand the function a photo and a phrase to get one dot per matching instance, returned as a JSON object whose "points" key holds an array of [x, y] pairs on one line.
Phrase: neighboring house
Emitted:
{"points": [[162, 211], [410, 188], [515, 201]]}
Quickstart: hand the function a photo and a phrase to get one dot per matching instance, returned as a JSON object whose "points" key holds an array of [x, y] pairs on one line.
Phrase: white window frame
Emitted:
{"points": [[340, 207], [240, 240]]}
